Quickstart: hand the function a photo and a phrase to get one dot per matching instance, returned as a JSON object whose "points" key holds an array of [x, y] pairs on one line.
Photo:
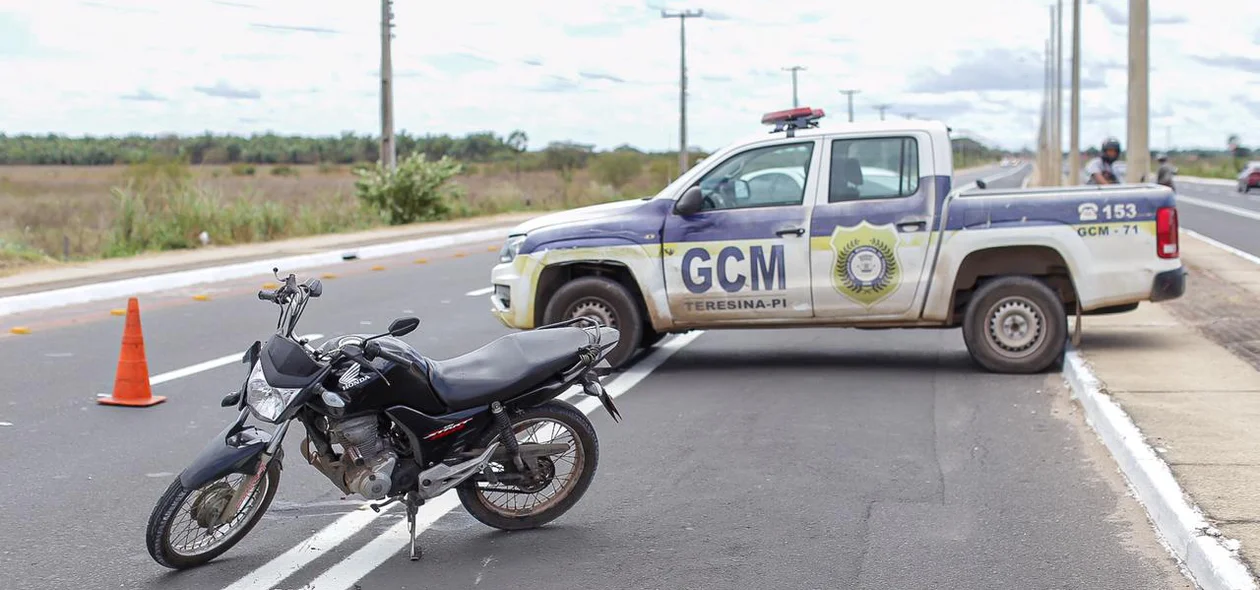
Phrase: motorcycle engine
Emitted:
{"points": [[367, 457]]}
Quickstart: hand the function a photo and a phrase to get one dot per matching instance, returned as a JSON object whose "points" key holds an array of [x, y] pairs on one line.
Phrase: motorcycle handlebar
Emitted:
{"points": [[267, 295], [373, 349]]}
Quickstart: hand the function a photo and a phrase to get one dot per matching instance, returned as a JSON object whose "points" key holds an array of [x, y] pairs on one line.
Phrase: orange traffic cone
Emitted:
{"points": [[131, 383]]}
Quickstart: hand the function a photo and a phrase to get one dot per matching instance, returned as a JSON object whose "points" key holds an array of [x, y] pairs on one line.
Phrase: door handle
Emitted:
{"points": [[799, 231], [912, 226]]}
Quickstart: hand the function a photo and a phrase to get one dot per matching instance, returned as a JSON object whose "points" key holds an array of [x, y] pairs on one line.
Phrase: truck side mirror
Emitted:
{"points": [[690, 202], [980, 183]]}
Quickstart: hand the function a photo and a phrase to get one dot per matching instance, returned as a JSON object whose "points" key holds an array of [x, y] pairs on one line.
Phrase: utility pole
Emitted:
{"points": [[1057, 134], [682, 17], [882, 108], [850, 93], [1074, 139], [388, 148], [908, 116], [1043, 143], [794, 70], [1138, 162]]}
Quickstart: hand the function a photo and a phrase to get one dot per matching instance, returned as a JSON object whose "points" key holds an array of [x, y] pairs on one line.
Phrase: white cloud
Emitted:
{"points": [[607, 72]]}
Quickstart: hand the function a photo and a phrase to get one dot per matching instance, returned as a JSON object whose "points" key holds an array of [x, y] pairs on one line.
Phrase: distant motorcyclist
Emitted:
{"points": [[1166, 172], [1100, 170]]}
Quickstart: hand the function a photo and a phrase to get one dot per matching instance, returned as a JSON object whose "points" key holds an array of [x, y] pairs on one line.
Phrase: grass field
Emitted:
{"points": [[48, 213]]}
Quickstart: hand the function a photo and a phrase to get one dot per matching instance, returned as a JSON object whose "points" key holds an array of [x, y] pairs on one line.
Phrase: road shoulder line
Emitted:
{"points": [[1182, 526]]}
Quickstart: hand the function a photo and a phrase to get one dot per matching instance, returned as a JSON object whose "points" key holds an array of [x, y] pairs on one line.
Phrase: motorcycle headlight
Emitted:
{"points": [[510, 248], [266, 401]]}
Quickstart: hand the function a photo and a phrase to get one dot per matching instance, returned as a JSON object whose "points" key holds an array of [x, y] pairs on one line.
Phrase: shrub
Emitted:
{"points": [[617, 168], [416, 191], [243, 169], [283, 170]]}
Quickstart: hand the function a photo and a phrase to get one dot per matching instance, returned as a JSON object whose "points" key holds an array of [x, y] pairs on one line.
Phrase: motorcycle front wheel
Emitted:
{"points": [[554, 487], [182, 532]]}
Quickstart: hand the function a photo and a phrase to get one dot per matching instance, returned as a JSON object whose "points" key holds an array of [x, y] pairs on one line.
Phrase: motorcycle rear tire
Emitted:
{"points": [[584, 434]]}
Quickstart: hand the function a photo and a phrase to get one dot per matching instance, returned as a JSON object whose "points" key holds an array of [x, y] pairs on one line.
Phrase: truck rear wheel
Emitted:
{"points": [[1015, 325], [608, 302]]}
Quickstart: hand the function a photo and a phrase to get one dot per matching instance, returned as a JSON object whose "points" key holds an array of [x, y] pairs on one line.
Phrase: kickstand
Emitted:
{"points": [[1076, 332], [413, 505]]}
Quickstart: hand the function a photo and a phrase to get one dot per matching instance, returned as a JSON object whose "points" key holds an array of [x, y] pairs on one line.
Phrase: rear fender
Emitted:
{"points": [[234, 450]]}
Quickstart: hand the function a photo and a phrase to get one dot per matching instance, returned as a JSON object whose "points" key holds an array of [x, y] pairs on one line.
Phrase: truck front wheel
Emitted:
{"points": [[606, 301], [1015, 325]]}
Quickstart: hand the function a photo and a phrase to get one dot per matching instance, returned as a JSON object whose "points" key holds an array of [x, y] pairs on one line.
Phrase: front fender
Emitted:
{"points": [[234, 450]]}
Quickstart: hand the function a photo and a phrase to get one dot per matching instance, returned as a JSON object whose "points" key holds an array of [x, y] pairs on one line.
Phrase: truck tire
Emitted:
{"points": [[1015, 324], [608, 302]]}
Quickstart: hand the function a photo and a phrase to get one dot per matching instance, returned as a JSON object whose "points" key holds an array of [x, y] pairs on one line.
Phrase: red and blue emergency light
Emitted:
{"points": [[792, 119]]}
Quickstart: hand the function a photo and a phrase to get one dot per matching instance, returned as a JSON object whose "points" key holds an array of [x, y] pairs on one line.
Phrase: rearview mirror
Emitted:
{"points": [[980, 183], [315, 288], [690, 203], [403, 326]]}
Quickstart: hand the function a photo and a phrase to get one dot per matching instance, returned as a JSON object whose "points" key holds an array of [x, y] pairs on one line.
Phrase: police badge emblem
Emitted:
{"points": [[866, 267]]}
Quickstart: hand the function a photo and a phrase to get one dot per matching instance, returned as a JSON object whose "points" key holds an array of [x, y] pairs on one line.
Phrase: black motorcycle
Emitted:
{"points": [[389, 424]]}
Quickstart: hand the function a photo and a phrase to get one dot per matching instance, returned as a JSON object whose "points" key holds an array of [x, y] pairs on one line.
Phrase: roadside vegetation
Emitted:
{"points": [[85, 198]]}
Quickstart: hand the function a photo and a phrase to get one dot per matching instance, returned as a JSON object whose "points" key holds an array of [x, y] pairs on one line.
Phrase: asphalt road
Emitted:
{"points": [[793, 458], [1221, 213]]}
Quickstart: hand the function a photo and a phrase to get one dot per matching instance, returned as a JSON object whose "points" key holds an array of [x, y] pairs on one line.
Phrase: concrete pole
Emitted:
{"points": [[388, 148], [1043, 143], [1138, 158], [850, 93], [1074, 158], [882, 108], [1057, 134], [794, 69], [682, 81]]}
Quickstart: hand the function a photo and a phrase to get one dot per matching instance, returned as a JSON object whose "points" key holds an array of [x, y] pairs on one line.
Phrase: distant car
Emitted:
{"points": [[1008, 162], [1249, 178]]}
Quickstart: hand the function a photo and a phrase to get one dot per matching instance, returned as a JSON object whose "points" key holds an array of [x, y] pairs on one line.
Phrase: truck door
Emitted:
{"points": [[745, 255], [871, 226]]}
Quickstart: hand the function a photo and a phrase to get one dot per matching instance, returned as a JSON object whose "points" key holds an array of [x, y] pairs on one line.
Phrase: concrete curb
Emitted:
{"points": [[1213, 181], [1202, 551], [174, 280]]}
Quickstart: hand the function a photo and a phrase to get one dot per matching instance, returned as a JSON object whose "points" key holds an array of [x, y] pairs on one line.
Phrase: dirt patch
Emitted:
{"points": [[1223, 312]]}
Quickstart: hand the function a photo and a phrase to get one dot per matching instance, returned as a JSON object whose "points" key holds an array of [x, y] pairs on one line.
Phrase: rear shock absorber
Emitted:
{"points": [[506, 435]]}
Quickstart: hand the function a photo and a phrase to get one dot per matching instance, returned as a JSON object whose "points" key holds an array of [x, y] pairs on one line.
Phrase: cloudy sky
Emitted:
{"points": [[606, 71]]}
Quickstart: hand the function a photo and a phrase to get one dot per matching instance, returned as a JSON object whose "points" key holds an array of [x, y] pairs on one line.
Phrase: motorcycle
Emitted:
{"points": [[386, 423]]}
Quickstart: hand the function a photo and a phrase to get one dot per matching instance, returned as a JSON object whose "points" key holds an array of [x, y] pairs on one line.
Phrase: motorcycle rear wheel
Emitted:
{"points": [[165, 537], [583, 447]]}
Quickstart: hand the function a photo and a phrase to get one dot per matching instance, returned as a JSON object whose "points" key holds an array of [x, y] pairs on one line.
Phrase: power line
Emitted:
{"points": [[682, 17], [794, 70], [850, 93]]}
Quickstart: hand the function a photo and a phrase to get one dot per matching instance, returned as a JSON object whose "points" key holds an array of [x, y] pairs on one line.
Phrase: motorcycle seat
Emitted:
{"points": [[506, 367]]}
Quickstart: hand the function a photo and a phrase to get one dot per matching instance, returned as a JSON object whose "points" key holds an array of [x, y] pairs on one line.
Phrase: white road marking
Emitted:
{"points": [[1239, 211], [480, 292], [1226, 247], [210, 364], [347, 572]]}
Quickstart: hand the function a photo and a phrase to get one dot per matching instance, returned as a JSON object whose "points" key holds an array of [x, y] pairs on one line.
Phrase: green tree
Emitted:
{"points": [[617, 168], [416, 191]]}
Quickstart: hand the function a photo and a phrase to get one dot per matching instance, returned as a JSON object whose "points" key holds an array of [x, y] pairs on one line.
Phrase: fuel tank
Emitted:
{"points": [[402, 385]]}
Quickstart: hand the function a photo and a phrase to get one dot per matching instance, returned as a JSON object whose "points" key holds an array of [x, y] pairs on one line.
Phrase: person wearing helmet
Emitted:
{"points": [[1100, 169], [1166, 172]]}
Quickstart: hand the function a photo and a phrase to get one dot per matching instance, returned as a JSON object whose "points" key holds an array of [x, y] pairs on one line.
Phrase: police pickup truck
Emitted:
{"points": [[856, 226]]}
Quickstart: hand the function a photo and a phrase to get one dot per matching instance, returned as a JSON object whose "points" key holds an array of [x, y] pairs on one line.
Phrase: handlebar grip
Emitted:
{"points": [[267, 295], [374, 350]]}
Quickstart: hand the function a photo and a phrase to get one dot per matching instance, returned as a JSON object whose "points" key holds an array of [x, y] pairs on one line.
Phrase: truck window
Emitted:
{"points": [[874, 168], [764, 177]]}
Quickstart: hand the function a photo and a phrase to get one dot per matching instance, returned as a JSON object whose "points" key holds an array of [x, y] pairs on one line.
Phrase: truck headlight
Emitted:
{"points": [[510, 248], [266, 401]]}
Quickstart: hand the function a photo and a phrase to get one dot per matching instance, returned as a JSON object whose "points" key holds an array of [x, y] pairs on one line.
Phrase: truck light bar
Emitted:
{"points": [[792, 119]]}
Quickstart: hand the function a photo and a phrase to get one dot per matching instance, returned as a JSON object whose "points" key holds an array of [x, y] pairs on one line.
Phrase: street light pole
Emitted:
{"points": [[682, 17], [1138, 161], [794, 70], [850, 93]]}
